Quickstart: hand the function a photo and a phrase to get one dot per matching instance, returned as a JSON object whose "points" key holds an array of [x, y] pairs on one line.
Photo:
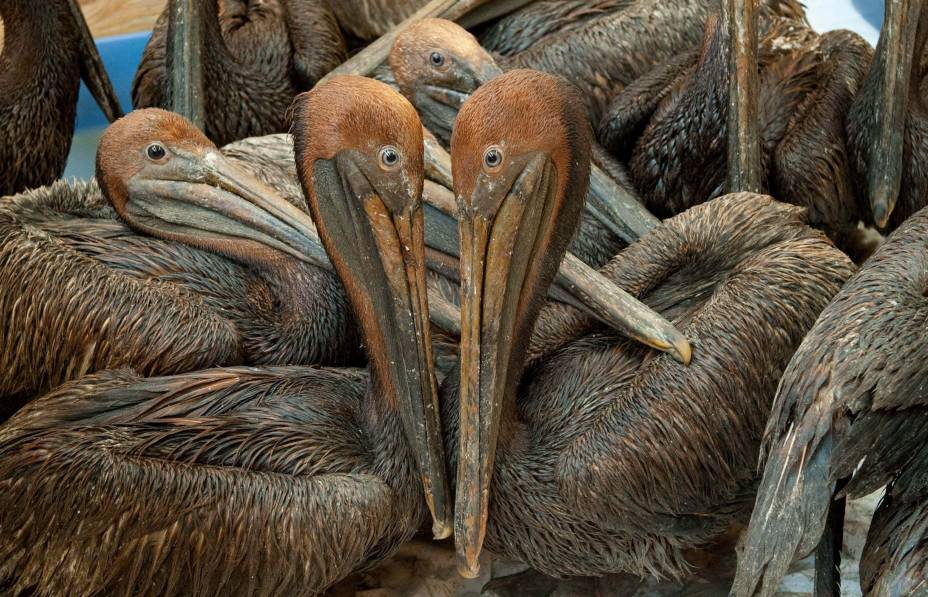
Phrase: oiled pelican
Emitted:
{"points": [[272, 481], [603, 456]]}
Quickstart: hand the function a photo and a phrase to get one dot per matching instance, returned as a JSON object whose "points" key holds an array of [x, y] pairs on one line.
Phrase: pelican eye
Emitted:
{"points": [[389, 157], [156, 151], [436, 59], [492, 158]]}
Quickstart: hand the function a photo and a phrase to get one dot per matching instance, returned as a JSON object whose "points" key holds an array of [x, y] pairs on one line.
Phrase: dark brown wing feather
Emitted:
{"points": [[895, 558], [256, 61], [697, 428], [230, 481], [317, 42], [853, 395], [679, 161], [605, 54], [527, 26], [65, 313], [631, 110], [810, 164]]}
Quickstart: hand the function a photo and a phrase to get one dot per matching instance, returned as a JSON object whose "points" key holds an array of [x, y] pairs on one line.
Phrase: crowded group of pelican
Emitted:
{"points": [[592, 284]]}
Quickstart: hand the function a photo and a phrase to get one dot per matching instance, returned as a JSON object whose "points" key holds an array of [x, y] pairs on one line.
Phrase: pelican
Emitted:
{"points": [[256, 56], [599, 456], [670, 125], [850, 417], [181, 259], [270, 481]]}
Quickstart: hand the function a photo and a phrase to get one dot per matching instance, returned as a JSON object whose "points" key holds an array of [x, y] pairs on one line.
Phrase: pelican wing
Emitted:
{"points": [[75, 302], [527, 26], [317, 42], [851, 403], [228, 481], [697, 429]]}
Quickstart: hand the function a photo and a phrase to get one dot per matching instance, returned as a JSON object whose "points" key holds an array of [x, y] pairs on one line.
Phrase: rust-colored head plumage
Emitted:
{"points": [[138, 139], [437, 65], [436, 51], [351, 113], [513, 114]]}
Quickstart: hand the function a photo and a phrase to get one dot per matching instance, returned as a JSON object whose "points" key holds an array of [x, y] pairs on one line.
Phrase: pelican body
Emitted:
{"points": [[848, 418], [598, 456], [182, 259], [263, 481], [47, 49], [671, 124], [256, 57], [608, 52], [531, 24]]}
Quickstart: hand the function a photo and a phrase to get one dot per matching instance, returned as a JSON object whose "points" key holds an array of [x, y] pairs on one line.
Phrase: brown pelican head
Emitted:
{"points": [[437, 65], [520, 155], [166, 179], [887, 93], [359, 156]]}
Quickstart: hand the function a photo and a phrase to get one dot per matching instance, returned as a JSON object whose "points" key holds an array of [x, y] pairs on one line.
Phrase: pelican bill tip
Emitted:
{"points": [[441, 529], [468, 567], [683, 351]]}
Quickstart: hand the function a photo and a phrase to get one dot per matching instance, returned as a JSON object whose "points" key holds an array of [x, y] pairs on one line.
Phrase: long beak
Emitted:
{"points": [[744, 165], [186, 39], [577, 283], [211, 196], [892, 74], [437, 160], [380, 254], [615, 307], [503, 255], [617, 209], [439, 103], [441, 225], [93, 72]]}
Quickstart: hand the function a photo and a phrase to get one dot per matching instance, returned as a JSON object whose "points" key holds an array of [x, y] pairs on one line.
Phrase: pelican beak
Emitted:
{"points": [[892, 67], [616, 208], [743, 144], [376, 240], [602, 299], [185, 60], [503, 265], [439, 102], [437, 160], [206, 195], [92, 71], [578, 284]]}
